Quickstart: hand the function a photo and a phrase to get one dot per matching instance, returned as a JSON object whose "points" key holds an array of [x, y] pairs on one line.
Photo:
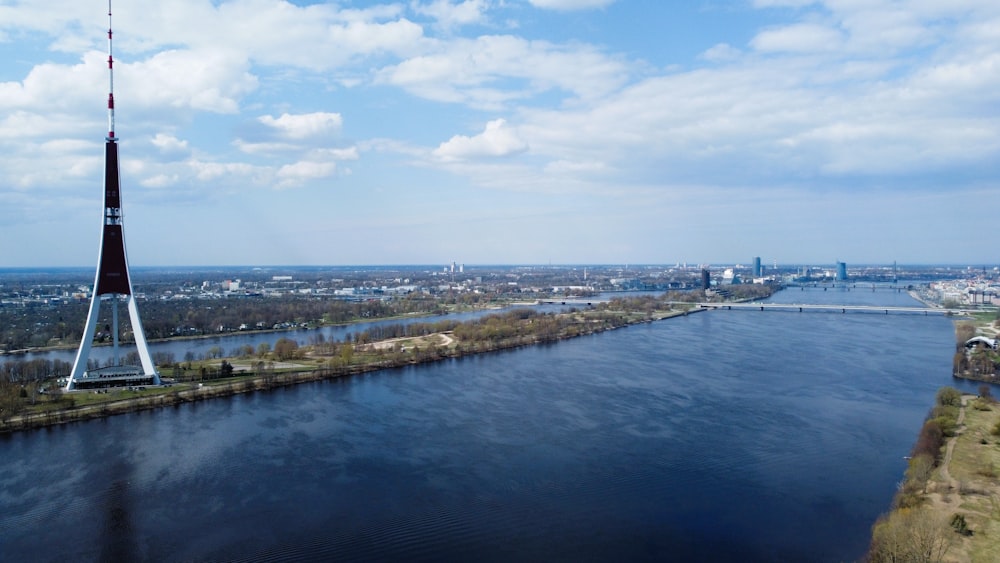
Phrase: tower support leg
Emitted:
{"points": [[83, 354], [140, 341]]}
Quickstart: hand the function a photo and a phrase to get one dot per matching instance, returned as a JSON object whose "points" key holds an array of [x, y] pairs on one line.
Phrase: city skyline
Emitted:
{"points": [[515, 132]]}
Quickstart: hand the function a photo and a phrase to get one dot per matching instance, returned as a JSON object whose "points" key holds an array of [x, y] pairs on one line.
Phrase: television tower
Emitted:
{"points": [[112, 281]]}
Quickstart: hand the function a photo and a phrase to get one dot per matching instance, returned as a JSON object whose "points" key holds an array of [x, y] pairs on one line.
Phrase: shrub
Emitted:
{"points": [[945, 411], [929, 441], [949, 396], [918, 472], [947, 424], [960, 525], [909, 534]]}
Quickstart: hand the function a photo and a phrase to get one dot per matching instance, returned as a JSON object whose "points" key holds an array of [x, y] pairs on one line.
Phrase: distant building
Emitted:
{"points": [[758, 271], [841, 271], [706, 279]]}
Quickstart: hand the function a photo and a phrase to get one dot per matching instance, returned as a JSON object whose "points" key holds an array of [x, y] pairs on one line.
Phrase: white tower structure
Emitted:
{"points": [[112, 282]]}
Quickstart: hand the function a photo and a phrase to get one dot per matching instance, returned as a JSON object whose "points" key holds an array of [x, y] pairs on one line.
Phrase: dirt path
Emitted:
{"points": [[444, 339], [945, 474]]}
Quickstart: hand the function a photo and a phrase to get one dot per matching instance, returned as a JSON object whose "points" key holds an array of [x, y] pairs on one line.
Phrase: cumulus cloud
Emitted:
{"points": [[264, 148], [213, 81], [304, 125], [496, 140], [575, 167], [721, 52], [783, 3], [491, 71], [291, 175], [52, 86], [160, 181], [208, 171], [169, 144], [798, 38], [569, 5], [349, 153], [450, 15]]}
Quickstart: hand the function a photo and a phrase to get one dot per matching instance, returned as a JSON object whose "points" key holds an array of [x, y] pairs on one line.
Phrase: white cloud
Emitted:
{"points": [[350, 153], [304, 125], [56, 86], [569, 5], [721, 52], [451, 15], [291, 175], [213, 81], [280, 34], [31, 124], [169, 144], [492, 71], [798, 38], [264, 148], [159, 181], [783, 3], [575, 167], [209, 171], [496, 140]]}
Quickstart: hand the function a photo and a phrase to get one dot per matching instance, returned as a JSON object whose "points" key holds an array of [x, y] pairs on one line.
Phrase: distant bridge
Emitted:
{"points": [[847, 286], [841, 308], [573, 301]]}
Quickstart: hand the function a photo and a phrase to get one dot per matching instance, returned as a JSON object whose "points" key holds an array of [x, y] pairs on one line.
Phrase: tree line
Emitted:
{"points": [[37, 326]]}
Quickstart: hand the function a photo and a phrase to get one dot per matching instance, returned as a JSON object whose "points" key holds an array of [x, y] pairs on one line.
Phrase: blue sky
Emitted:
{"points": [[504, 131]]}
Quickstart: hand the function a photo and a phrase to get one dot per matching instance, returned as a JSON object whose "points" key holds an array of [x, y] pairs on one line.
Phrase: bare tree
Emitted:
{"points": [[911, 535]]}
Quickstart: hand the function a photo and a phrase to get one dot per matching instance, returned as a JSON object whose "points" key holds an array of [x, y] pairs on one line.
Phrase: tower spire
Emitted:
{"points": [[112, 282], [111, 81]]}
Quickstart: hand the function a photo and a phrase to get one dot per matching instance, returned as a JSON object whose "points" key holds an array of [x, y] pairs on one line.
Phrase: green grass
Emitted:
{"points": [[975, 466]]}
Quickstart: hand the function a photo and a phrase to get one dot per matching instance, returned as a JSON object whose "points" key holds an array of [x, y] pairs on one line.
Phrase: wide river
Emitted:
{"points": [[719, 436]]}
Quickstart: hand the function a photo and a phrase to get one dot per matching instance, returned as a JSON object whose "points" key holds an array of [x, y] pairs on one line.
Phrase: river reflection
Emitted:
{"points": [[720, 436]]}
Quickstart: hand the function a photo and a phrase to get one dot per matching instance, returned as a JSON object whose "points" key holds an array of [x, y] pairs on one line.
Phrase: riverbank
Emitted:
{"points": [[949, 510], [195, 337], [375, 356], [965, 490]]}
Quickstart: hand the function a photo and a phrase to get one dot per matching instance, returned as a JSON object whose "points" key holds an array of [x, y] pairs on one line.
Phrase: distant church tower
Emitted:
{"points": [[112, 282]]}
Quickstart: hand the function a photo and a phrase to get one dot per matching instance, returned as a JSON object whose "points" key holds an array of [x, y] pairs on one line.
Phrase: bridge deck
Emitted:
{"points": [[802, 307]]}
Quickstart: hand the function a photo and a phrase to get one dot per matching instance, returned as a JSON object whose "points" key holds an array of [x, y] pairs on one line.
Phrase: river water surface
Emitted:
{"points": [[719, 436]]}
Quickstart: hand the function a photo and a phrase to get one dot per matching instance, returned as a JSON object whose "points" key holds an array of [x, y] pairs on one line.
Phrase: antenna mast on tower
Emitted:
{"points": [[111, 82]]}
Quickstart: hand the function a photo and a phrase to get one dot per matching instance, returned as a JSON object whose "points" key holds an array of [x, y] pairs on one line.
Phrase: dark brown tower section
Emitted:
{"points": [[112, 273], [112, 189]]}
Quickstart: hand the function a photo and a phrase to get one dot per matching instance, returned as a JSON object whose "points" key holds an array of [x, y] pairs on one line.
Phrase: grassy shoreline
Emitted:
{"points": [[948, 512], [182, 338], [87, 405]]}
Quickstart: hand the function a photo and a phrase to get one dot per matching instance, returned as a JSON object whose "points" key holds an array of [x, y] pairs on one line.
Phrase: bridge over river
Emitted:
{"points": [[803, 307]]}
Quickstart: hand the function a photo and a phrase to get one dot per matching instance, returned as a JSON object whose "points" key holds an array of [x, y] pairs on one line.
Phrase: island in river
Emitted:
{"points": [[378, 348]]}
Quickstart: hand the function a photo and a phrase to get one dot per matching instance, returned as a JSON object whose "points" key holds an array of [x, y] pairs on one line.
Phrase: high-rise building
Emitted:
{"points": [[758, 271], [841, 271]]}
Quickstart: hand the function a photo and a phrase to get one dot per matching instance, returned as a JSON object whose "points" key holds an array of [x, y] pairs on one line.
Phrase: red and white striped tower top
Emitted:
{"points": [[111, 83]]}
